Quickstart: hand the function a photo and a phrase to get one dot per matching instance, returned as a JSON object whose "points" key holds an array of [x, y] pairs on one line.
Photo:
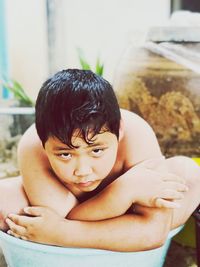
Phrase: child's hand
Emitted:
{"points": [[156, 187], [40, 225]]}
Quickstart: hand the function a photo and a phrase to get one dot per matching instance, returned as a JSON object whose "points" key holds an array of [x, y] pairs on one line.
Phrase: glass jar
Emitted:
{"points": [[160, 81]]}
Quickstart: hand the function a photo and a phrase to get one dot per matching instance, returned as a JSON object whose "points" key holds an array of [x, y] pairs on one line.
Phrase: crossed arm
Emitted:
{"points": [[148, 226], [139, 185], [124, 233]]}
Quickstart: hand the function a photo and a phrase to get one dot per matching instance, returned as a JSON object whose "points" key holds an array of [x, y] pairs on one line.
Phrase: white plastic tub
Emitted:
{"points": [[20, 253]]}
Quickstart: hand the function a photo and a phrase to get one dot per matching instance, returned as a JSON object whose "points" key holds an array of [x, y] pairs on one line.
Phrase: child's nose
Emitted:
{"points": [[83, 171], [83, 168]]}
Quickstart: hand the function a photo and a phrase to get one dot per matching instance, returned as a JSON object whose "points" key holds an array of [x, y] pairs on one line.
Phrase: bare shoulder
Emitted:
{"points": [[135, 126], [30, 137], [139, 139], [30, 147], [131, 121]]}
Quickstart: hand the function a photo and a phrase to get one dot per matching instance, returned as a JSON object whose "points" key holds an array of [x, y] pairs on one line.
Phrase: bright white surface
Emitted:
{"points": [[15, 111], [106, 27], [102, 28], [27, 43]]}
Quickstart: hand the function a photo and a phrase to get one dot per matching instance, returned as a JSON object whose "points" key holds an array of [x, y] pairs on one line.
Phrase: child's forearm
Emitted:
{"points": [[124, 233], [113, 201], [141, 184]]}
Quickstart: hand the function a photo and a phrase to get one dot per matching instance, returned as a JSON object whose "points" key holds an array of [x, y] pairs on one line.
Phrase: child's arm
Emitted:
{"points": [[139, 185], [141, 149], [41, 185], [132, 232], [146, 229]]}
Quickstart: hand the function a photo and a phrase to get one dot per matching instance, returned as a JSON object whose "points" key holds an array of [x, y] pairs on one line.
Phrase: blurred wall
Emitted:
{"points": [[99, 27], [106, 27], [3, 50], [27, 42]]}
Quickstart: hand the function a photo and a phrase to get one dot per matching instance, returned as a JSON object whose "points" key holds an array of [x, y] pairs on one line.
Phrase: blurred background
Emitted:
{"points": [[41, 37]]}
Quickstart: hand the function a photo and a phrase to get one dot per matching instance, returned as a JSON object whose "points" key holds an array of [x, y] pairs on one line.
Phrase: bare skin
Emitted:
{"points": [[37, 230], [143, 224], [13, 199]]}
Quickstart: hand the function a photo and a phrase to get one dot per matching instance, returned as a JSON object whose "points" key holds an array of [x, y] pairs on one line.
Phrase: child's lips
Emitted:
{"points": [[86, 184]]}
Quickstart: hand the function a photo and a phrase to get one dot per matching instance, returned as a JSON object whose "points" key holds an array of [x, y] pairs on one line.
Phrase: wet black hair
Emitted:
{"points": [[73, 100]]}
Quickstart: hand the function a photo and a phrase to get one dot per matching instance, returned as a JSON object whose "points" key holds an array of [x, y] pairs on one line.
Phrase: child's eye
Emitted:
{"points": [[97, 152], [65, 155]]}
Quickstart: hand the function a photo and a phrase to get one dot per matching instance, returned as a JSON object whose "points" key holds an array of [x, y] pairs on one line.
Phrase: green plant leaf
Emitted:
{"points": [[24, 97], [99, 68], [18, 92], [82, 60]]}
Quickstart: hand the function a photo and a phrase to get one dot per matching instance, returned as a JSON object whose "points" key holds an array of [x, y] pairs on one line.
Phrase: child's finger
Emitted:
{"points": [[182, 188], [34, 211], [19, 219], [17, 229], [13, 234], [16, 235], [162, 203], [171, 195], [173, 177], [176, 186]]}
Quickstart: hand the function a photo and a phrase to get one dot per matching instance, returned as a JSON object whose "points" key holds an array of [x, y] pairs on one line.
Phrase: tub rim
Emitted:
{"points": [[4, 237]]}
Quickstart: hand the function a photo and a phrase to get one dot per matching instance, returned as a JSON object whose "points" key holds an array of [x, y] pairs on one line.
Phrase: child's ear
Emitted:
{"points": [[121, 130]]}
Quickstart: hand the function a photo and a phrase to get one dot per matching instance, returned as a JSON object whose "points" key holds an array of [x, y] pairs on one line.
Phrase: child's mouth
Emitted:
{"points": [[86, 184]]}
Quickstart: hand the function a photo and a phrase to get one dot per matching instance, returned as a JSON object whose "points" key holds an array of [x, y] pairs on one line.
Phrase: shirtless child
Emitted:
{"points": [[94, 175]]}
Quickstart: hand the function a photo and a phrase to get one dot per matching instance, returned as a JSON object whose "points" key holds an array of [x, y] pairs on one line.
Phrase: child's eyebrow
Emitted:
{"points": [[58, 148], [97, 144]]}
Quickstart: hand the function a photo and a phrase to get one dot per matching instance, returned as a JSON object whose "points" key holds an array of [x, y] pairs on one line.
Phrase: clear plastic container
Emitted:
{"points": [[160, 80]]}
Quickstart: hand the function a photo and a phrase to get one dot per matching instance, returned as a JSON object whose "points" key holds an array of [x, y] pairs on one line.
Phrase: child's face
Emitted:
{"points": [[85, 166]]}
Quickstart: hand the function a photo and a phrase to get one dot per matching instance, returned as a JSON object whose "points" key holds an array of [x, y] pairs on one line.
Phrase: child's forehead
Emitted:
{"points": [[91, 136], [102, 138]]}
